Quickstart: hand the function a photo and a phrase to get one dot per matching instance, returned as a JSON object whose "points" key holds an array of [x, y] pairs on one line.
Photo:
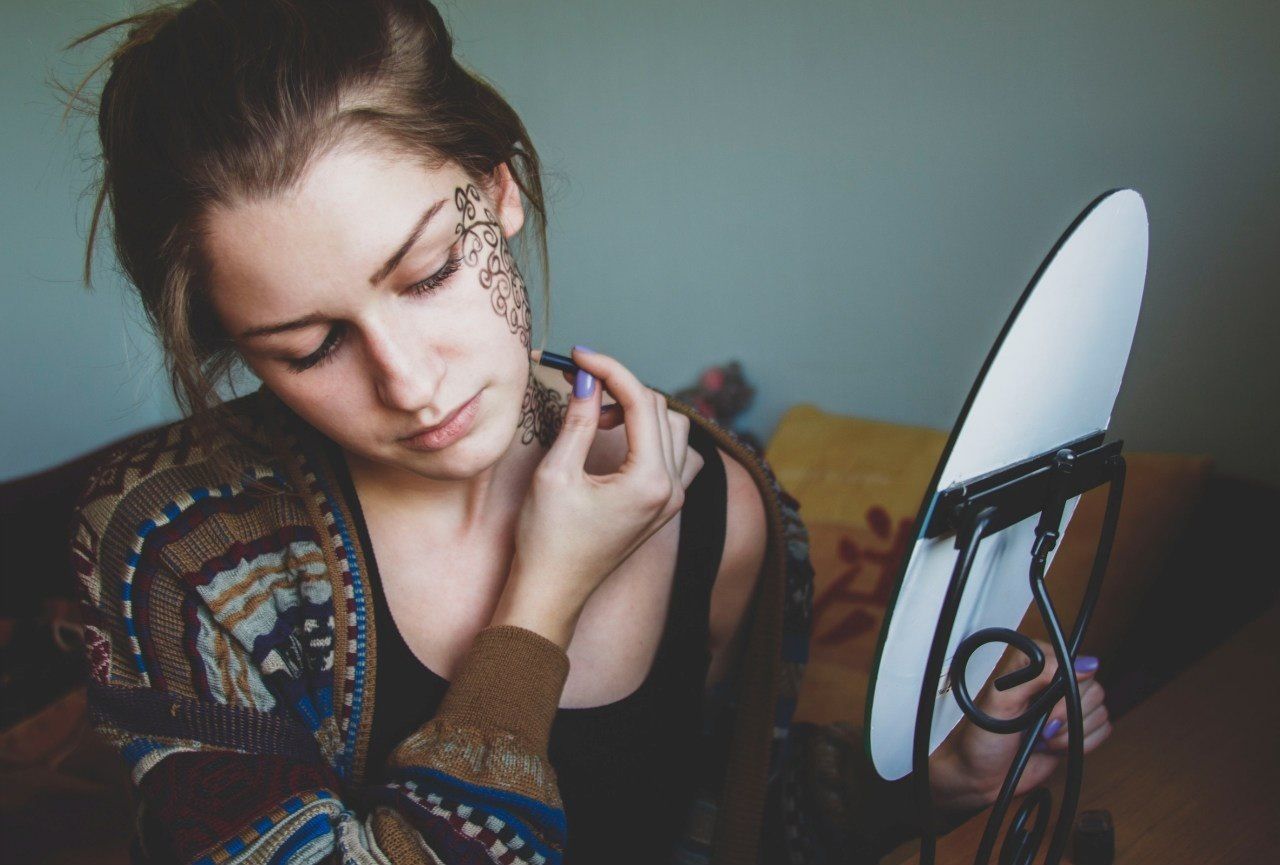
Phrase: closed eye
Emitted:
{"points": [[331, 342], [334, 338], [437, 279]]}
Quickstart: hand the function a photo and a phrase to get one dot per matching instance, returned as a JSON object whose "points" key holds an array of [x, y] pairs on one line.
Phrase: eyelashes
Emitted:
{"points": [[435, 280], [318, 356], [333, 339]]}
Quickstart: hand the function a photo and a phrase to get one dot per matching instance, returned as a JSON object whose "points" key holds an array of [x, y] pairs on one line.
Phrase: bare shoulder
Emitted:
{"points": [[744, 547]]}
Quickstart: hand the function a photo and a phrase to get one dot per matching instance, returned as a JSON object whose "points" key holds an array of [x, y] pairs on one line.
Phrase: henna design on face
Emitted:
{"points": [[542, 414], [482, 243]]}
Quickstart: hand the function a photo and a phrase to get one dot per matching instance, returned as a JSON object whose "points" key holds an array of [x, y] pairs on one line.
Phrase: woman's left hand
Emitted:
{"points": [[966, 772]]}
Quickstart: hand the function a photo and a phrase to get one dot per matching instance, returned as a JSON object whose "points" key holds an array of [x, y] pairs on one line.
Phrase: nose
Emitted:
{"points": [[405, 375]]}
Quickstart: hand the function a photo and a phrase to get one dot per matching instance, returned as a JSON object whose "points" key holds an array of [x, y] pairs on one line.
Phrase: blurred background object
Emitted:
{"points": [[722, 393]]}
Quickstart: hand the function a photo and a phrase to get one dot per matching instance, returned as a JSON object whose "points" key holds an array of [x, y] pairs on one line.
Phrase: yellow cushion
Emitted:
{"points": [[860, 484]]}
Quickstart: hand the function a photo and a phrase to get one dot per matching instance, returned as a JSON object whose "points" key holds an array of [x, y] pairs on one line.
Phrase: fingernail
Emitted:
{"points": [[1040, 748], [584, 384], [585, 349], [1086, 664], [1051, 729]]}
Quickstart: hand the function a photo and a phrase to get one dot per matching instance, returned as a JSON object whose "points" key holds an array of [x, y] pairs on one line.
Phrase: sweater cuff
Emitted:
{"points": [[511, 679]]}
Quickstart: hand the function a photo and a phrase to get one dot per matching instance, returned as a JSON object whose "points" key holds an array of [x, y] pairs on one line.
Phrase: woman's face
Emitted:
{"points": [[375, 298]]}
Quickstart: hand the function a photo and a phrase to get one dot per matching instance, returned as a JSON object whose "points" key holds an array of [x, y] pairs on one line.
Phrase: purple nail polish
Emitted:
{"points": [[585, 348], [1086, 664], [1051, 729], [584, 384], [1040, 748]]}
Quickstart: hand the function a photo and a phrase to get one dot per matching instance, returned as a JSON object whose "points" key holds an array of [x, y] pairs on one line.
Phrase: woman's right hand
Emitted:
{"points": [[575, 528]]}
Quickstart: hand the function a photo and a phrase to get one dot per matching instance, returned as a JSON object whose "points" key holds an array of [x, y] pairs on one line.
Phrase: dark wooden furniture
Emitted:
{"points": [[1190, 775]]}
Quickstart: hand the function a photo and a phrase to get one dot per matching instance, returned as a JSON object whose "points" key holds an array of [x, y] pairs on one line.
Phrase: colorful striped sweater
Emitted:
{"points": [[232, 653]]}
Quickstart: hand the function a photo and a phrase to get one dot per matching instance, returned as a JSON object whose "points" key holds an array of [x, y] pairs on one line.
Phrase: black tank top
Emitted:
{"points": [[626, 770]]}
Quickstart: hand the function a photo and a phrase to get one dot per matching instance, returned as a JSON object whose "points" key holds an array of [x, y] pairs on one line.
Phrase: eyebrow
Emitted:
{"points": [[379, 275], [394, 261]]}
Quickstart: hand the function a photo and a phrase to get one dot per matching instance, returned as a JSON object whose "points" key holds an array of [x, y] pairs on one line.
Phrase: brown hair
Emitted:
{"points": [[212, 101]]}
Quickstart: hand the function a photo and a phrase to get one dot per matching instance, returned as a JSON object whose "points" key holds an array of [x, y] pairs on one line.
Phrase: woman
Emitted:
{"points": [[519, 673]]}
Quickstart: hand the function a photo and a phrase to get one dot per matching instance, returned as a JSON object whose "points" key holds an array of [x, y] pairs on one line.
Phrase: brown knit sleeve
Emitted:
{"points": [[501, 703], [512, 680]]}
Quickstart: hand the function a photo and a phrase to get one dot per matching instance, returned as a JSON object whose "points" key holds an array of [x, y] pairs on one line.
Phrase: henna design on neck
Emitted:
{"points": [[542, 414], [483, 239]]}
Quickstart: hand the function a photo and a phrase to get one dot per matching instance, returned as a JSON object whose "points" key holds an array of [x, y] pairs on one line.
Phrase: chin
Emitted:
{"points": [[454, 463]]}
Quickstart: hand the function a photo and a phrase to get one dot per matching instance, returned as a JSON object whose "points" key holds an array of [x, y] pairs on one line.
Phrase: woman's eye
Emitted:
{"points": [[320, 355], [334, 338], [437, 279]]}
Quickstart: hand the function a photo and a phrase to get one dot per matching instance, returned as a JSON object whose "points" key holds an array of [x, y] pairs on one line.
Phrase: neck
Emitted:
{"points": [[459, 508]]}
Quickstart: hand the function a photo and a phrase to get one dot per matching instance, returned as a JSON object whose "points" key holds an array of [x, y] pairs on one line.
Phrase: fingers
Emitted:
{"points": [[680, 439], [1096, 722], [664, 430], [1016, 700], [1097, 737], [1095, 716], [578, 430], [610, 416], [610, 413], [671, 428], [692, 466], [677, 427], [639, 412], [1091, 697], [1085, 667], [675, 498], [1094, 735], [1015, 660]]}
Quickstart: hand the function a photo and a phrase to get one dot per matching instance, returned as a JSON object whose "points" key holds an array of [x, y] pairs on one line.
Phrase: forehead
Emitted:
{"points": [[351, 209]]}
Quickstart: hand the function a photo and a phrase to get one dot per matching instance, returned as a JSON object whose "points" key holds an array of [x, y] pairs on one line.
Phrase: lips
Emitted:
{"points": [[427, 429], [449, 430]]}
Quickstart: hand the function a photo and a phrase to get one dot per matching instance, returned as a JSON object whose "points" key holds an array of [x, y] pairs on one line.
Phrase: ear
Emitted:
{"points": [[507, 196]]}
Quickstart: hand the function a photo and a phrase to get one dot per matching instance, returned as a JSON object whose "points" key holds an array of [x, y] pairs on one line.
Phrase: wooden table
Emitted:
{"points": [[1192, 775]]}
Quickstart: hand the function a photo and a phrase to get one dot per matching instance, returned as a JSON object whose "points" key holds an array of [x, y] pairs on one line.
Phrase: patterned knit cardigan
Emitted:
{"points": [[232, 653]]}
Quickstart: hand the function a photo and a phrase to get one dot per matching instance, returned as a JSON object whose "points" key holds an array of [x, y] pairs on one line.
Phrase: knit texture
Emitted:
{"points": [[232, 650]]}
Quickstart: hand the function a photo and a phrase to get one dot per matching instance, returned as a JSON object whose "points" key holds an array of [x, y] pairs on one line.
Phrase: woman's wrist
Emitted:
{"points": [[542, 615]]}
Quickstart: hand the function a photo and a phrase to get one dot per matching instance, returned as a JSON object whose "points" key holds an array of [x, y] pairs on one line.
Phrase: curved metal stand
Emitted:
{"points": [[975, 510]]}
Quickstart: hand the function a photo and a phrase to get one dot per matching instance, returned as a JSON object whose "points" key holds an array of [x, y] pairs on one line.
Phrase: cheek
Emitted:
{"points": [[487, 256], [486, 313], [329, 398], [489, 350], [504, 296], [333, 399]]}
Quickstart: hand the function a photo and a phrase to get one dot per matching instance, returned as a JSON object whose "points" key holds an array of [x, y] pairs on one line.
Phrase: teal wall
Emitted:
{"points": [[77, 368], [847, 197]]}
